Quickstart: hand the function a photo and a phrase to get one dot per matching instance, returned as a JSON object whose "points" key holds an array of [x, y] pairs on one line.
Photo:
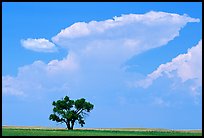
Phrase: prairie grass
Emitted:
{"points": [[43, 131]]}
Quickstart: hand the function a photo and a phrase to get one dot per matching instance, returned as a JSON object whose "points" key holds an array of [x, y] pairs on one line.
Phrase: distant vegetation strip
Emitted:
{"points": [[41, 131]]}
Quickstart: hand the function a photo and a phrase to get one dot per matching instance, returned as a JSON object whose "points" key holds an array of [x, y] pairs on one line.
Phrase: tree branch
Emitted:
{"points": [[80, 111]]}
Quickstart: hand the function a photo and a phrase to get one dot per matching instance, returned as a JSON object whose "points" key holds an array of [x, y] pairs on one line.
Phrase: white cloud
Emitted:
{"points": [[185, 66], [96, 50], [41, 77], [118, 39], [68, 64], [39, 45], [81, 29]]}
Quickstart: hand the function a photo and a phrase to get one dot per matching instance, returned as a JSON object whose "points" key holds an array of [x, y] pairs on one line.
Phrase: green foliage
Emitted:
{"points": [[68, 111]]}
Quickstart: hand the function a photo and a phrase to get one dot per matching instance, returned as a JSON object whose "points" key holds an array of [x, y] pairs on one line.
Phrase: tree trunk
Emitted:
{"points": [[72, 125], [68, 125]]}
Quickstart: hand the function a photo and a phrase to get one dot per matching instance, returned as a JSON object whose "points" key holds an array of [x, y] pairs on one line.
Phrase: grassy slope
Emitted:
{"points": [[31, 131]]}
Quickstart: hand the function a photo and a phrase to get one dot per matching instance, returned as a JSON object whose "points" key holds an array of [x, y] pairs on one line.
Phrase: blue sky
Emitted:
{"points": [[139, 63]]}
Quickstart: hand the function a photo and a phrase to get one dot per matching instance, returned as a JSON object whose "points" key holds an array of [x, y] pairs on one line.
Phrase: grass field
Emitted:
{"points": [[40, 131]]}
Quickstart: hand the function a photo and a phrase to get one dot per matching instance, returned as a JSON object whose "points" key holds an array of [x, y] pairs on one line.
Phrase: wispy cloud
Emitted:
{"points": [[158, 101], [39, 45], [11, 86]]}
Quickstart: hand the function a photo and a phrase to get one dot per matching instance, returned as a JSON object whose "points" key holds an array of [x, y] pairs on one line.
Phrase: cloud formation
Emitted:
{"points": [[118, 39], [82, 29], [185, 66], [97, 48], [39, 45], [41, 77]]}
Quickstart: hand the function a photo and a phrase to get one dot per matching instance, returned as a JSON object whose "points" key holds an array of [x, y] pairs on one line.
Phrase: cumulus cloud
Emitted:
{"points": [[96, 50], [39, 45], [81, 29], [68, 64], [122, 36], [185, 66], [39, 76]]}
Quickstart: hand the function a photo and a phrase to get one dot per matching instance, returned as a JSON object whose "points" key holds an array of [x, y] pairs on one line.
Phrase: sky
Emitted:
{"points": [[139, 63]]}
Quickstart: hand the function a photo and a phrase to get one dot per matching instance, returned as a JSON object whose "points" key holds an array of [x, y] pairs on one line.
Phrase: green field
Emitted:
{"points": [[34, 131]]}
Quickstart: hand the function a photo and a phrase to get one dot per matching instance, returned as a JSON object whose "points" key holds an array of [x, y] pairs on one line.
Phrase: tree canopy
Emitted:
{"points": [[69, 111]]}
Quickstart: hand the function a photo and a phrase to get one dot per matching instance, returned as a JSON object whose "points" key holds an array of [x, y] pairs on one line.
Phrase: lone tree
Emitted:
{"points": [[68, 111]]}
